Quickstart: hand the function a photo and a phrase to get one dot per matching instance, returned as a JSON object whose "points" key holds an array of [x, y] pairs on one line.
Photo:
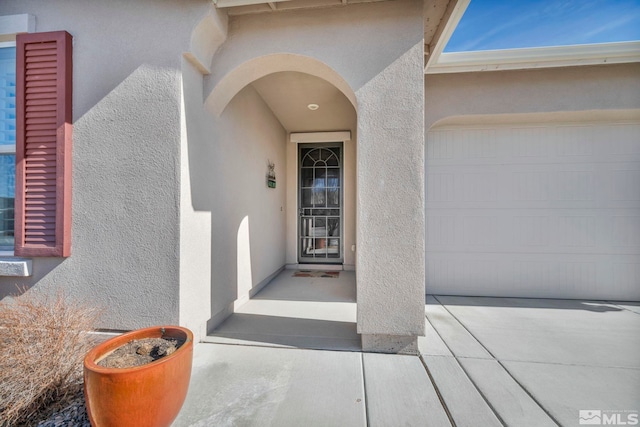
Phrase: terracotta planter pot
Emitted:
{"points": [[147, 395]]}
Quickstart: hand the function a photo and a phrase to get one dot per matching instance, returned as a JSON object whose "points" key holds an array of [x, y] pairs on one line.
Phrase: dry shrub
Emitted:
{"points": [[43, 340]]}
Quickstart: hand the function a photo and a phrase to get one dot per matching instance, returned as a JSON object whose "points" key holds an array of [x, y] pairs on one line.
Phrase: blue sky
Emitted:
{"points": [[505, 24]]}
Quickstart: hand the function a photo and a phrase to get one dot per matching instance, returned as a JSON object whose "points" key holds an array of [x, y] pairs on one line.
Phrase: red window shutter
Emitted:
{"points": [[43, 144]]}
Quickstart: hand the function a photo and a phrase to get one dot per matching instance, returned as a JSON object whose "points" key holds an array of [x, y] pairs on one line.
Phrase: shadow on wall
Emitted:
{"points": [[227, 165], [41, 267], [124, 227]]}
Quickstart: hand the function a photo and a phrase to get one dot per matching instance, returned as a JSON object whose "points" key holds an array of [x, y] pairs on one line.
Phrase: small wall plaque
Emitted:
{"points": [[271, 175]]}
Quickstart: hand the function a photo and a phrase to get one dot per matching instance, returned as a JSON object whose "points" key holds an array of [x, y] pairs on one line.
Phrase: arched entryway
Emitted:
{"points": [[384, 84], [282, 111]]}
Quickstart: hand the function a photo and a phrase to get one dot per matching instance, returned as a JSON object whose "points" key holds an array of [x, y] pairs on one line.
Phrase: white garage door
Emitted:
{"points": [[534, 210]]}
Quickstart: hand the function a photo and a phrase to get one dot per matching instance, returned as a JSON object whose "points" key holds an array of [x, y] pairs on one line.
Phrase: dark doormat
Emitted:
{"points": [[316, 273]]}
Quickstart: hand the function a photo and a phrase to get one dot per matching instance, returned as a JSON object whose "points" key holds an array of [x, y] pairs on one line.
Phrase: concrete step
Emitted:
{"points": [[285, 341]]}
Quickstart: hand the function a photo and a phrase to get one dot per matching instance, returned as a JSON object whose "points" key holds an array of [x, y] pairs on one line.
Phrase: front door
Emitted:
{"points": [[320, 203]]}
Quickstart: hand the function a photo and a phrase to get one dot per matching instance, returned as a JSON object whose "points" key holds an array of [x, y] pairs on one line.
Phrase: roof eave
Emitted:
{"points": [[537, 57]]}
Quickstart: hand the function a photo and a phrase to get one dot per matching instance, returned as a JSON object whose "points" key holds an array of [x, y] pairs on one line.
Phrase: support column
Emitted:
{"points": [[391, 222], [195, 223]]}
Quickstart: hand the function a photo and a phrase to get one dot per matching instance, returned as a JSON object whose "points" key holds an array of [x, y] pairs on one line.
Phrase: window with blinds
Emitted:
{"points": [[7, 143]]}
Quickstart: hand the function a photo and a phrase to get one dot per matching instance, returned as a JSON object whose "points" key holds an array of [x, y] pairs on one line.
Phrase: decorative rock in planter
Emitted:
{"points": [[146, 395]]}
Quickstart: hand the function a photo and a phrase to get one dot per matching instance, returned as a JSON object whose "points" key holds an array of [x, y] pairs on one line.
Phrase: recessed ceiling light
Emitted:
{"points": [[313, 107]]}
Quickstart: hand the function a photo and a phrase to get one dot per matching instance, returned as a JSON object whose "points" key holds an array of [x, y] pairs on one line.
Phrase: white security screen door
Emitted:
{"points": [[320, 203]]}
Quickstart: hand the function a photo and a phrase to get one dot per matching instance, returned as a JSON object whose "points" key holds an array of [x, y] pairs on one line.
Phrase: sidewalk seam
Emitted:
{"points": [[437, 390], [501, 365], [495, 412], [529, 394], [364, 392]]}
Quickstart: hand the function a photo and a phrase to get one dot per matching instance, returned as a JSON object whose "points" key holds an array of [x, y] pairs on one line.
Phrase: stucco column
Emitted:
{"points": [[390, 219], [195, 219]]}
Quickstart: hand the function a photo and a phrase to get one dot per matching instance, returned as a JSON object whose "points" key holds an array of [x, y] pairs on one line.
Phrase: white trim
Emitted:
{"points": [[537, 57], [233, 3], [581, 117], [452, 23], [10, 25], [8, 267], [19, 267], [342, 136], [243, 299]]}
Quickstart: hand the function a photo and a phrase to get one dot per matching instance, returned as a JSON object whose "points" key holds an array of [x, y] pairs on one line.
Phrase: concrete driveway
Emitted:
{"points": [[534, 361], [483, 362]]}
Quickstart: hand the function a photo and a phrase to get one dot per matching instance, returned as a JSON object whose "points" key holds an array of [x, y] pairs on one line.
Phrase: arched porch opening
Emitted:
{"points": [[264, 113], [387, 80]]}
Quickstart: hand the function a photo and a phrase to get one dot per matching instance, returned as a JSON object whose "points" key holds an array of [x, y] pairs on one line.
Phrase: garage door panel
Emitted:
{"points": [[530, 230], [534, 275], [571, 186], [535, 143], [534, 210]]}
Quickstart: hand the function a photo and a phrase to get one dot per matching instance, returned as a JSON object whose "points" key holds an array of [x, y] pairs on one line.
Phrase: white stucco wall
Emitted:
{"points": [[358, 42], [598, 87], [227, 163], [126, 156], [249, 214], [390, 258], [350, 191], [195, 225]]}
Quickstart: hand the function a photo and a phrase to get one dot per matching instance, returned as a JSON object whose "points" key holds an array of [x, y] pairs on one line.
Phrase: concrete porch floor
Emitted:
{"points": [[296, 312], [483, 362]]}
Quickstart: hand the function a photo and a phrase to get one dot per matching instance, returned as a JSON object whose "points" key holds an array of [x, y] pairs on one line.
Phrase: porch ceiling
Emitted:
{"points": [[289, 93]]}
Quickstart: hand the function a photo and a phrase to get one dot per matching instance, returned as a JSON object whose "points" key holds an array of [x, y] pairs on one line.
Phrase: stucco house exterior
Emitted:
{"points": [[146, 189]]}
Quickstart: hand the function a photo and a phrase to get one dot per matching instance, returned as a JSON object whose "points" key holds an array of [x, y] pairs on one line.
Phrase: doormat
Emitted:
{"points": [[317, 273]]}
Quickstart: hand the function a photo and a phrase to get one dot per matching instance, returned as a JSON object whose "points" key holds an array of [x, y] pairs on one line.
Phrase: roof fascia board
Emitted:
{"points": [[448, 24], [434, 12], [233, 3], [537, 57]]}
